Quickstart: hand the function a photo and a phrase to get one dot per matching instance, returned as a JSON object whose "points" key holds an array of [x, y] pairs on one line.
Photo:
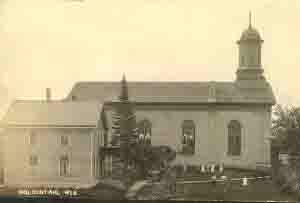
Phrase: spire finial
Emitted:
{"points": [[124, 90], [123, 77], [250, 25]]}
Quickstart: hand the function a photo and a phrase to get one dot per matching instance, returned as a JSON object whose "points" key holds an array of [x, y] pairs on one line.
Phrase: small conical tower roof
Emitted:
{"points": [[250, 34], [124, 90], [250, 45]]}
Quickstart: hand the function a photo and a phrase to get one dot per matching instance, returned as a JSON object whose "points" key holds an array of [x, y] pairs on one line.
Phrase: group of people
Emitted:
{"points": [[211, 168], [207, 168]]}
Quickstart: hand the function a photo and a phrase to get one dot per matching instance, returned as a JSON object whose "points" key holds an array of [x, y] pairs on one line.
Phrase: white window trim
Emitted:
{"points": [[33, 169], [38, 160], [91, 134], [98, 144], [195, 137], [69, 168], [68, 133], [147, 126], [68, 140], [235, 157], [30, 131]]}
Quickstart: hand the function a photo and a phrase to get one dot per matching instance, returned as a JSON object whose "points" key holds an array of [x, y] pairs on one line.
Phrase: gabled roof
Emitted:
{"points": [[175, 92], [53, 114]]}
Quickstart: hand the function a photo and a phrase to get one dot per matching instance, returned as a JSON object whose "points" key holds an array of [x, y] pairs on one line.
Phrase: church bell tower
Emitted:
{"points": [[250, 55]]}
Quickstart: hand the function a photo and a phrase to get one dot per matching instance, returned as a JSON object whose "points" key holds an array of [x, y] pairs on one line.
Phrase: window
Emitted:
{"points": [[234, 138], [188, 137], [252, 60], [33, 160], [64, 140], [259, 56], [144, 131], [64, 166], [32, 138], [242, 60], [73, 98]]}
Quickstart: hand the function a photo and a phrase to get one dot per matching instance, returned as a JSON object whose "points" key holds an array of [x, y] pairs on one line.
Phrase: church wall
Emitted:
{"points": [[254, 142], [48, 148], [1, 156], [211, 131]]}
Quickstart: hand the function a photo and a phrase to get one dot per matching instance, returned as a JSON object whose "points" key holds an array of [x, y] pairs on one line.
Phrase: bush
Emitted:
{"points": [[288, 180]]}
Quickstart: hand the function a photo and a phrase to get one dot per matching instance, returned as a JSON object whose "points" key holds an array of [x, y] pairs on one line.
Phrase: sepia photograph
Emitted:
{"points": [[149, 100]]}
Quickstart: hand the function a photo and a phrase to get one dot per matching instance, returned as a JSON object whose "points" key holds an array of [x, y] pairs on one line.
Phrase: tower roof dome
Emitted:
{"points": [[250, 34]]}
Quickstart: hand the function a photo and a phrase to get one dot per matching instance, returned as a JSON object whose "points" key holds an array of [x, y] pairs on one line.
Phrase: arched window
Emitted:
{"points": [[188, 137], [144, 131], [234, 138], [64, 166]]}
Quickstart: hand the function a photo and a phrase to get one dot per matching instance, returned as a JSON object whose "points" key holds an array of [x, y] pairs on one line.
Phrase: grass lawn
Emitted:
{"points": [[256, 190], [193, 173], [230, 190], [102, 193], [261, 190]]}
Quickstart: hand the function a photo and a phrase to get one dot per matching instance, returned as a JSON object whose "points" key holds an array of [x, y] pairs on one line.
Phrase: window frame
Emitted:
{"points": [[33, 162], [68, 168], [252, 60], [62, 139], [145, 128], [190, 148], [32, 138], [234, 141], [242, 62]]}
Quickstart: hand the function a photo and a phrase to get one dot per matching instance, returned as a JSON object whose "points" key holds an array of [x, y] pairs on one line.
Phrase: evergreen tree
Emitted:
{"points": [[124, 90], [115, 128], [125, 133], [124, 125]]}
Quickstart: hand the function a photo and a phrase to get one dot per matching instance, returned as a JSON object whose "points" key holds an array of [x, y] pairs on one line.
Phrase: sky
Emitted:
{"points": [[56, 43]]}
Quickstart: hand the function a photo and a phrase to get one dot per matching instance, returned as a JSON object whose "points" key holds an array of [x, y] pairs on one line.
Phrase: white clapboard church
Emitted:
{"points": [[205, 122]]}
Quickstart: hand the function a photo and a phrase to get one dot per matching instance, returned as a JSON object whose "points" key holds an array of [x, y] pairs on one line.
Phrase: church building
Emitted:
{"points": [[205, 122], [58, 143]]}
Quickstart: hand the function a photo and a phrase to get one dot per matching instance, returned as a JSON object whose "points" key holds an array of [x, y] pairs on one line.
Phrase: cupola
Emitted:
{"points": [[250, 54]]}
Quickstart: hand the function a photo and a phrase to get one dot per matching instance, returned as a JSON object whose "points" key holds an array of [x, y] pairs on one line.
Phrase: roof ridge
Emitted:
{"points": [[54, 101], [153, 84], [151, 81], [36, 101]]}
